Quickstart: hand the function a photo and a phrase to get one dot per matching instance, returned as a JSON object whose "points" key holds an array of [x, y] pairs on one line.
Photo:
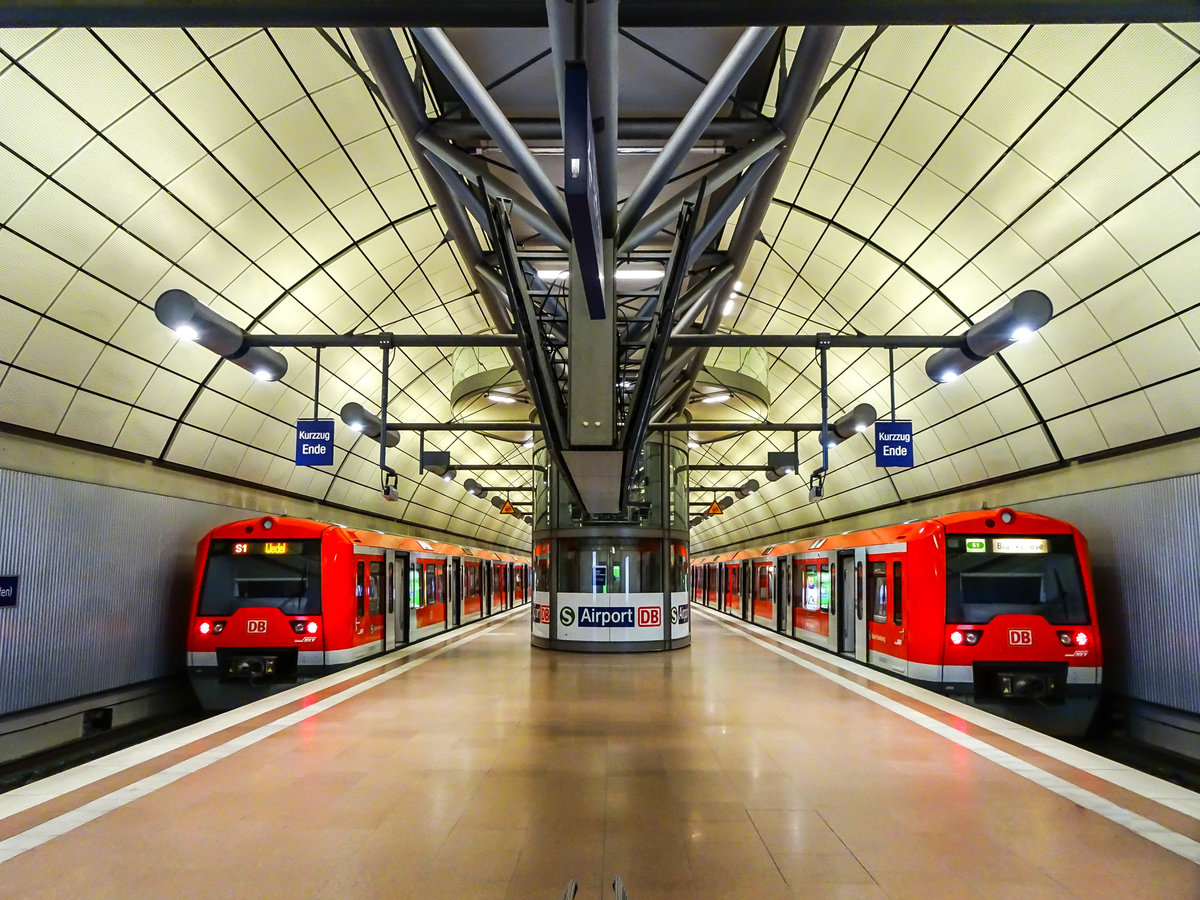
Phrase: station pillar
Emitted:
{"points": [[614, 583]]}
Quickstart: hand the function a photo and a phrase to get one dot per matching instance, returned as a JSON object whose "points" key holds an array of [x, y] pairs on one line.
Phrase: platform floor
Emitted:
{"points": [[743, 766]]}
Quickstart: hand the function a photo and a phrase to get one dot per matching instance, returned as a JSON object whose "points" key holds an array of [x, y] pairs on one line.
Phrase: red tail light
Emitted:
{"points": [[1081, 639], [205, 628]]}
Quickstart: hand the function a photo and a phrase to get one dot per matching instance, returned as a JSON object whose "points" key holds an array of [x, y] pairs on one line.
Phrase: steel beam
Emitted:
{"points": [[603, 65], [474, 169], [382, 339], [532, 13], [736, 427], [391, 74], [719, 216], [703, 111], [486, 110], [809, 65], [652, 130], [779, 341], [723, 171]]}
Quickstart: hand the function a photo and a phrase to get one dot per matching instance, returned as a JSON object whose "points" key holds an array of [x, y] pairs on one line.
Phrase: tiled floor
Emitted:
{"points": [[496, 770]]}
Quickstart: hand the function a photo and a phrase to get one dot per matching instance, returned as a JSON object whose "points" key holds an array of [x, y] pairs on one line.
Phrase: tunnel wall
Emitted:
{"points": [[104, 578], [1143, 540]]}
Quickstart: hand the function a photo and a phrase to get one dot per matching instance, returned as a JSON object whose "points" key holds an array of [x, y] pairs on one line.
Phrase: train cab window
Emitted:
{"points": [[988, 576], [244, 574], [877, 590], [897, 594], [812, 590], [825, 587], [375, 589], [360, 586]]}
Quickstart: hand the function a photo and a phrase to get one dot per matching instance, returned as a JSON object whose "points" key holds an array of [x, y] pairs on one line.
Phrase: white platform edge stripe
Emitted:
{"points": [[55, 786], [1140, 825], [1168, 794]]}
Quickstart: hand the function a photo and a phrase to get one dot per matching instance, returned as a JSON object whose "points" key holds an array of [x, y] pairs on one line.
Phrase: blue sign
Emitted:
{"points": [[604, 617], [894, 444], [8, 590], [599, 578], [314, 442]]}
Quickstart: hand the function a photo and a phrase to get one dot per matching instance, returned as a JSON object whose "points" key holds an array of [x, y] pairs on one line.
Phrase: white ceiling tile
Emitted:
{"points": [[1053, 223], [1176, 274], [959, 70], [259, 75], [191, 447], [119, 375], [30, 114], [32, 401], [1061, 51], [1055, 393], [1093, 186], [1140, 62], [1012, 101], [299, 131], [166, 393], [1127, 420], [1166, 130], [1128, 305], [1161, 352], [1174, 403], [1077, 434], [1011, 187], [128, 264], [18, 180], [62, 224], [59, 352], [899, 54], [1030, 448], [106, 93], [144, 433], [30, 276], [254, 160], [16, 324], [156, 55], [92, 306], [1159, 219], [126, 187], [95, 419], [1074, 333], [213, 40], [1063, 136], [1102, 375], [155, 141], [252, 231], [887, 175]]}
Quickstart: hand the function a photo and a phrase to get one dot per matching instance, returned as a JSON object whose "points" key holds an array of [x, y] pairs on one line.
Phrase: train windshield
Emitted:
{"points": [[243, 574], [990, 575]]}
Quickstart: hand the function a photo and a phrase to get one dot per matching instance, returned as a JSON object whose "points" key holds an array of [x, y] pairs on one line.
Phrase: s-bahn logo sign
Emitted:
{"points": [[256, 626], [894, 444], [314, 442], [611, 617], [1020, 637]]}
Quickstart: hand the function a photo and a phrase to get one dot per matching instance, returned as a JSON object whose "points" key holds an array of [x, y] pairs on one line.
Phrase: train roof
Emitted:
{"points": [[365, 536], [898, 533]]}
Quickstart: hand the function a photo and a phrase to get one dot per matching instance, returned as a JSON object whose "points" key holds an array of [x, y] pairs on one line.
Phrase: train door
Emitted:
{"points": [[389, 590], [472, 590], [400, 594], [427, 603], [762, 593], [852, 618], [454, 607], [783, 595]]}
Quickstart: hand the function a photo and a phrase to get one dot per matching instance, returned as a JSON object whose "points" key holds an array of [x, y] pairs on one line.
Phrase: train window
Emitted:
{"points": [[897, 594], [797, 584], [251, 577], [360, 583], [825, 587], [812, 590], [877, 590], [375, 589], [858, 591], [983, 582], [429, 594]]}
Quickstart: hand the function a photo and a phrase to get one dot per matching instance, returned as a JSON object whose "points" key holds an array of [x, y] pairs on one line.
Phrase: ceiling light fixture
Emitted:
{"points": [[358, 418], [729, 307], [1016, 320], [497, 397], [192, 321], [715, 398]]}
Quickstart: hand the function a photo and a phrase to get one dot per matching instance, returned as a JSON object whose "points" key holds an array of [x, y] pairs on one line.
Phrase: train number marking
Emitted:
{"points": [[256, 626], [1020, 637]]}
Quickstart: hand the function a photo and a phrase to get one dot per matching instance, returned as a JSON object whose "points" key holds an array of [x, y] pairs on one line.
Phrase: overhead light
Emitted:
{"points": [[854, 422], [496, 397], [473, 487], [627, 273], [358, 418], [730, 305], [449, 474], [552, 274], [528, 445], [715, 398], [692, 445], [781, 463], [737, 285], [438, 462], [1015, 321], [747, 488], [192, 321], [626, 385]]}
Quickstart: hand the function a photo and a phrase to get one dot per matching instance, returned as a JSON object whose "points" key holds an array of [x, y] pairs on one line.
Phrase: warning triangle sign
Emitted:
{"points": [[507, 509], [715, 509]]}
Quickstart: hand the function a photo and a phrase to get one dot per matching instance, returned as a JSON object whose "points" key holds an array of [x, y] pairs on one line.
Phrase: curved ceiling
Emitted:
{"points": [[944, 170]]}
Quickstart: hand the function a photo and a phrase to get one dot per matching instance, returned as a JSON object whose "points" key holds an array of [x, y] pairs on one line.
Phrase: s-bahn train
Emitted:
{"points": [[995, 607], [278, 601]]}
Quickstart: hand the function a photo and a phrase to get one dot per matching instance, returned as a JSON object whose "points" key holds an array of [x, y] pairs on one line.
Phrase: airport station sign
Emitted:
{"points": [[314, 442], [894, 445]]}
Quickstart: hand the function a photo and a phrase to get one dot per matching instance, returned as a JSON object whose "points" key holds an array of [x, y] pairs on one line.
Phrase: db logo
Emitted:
{"points": [[543, 615], [1020, 637], [566, 615], [256, 626], [649, 616]]}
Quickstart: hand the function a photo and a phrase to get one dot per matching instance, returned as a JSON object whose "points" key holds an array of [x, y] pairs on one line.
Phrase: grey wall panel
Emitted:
{"points": [[104, 575], [1145, 545]]}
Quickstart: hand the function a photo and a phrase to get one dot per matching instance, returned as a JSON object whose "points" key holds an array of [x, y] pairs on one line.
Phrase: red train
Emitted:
{"points": [[994, 607], [278, 601]]}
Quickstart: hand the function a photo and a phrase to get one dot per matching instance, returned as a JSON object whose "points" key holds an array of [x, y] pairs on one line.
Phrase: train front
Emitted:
{"points": [[1020, 631], [256, 626]]}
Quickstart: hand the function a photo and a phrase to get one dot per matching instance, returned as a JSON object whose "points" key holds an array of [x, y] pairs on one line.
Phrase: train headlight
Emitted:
{"points": [[205, 628], [311, 627], [1081, 639], [973, 637], [1064, 638], [956, 638], [218, 627]]}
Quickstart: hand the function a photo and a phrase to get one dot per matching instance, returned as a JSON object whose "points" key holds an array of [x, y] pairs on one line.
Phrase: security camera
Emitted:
{"points": [[391, 492]]}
